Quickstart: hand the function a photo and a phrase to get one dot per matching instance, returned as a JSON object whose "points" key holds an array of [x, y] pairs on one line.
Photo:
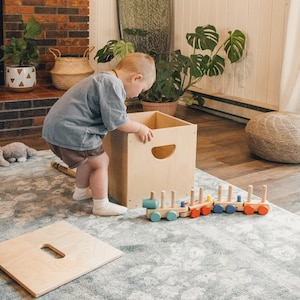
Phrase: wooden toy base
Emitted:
{"points": [[27, 258], [155, 211]]}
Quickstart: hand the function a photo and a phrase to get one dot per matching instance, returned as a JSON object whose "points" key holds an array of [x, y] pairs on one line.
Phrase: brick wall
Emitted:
{"points": [[64, 26], [23, 117]]}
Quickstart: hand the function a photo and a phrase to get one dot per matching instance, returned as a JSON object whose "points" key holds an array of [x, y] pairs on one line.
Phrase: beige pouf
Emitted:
{"points": [[275, 136]]}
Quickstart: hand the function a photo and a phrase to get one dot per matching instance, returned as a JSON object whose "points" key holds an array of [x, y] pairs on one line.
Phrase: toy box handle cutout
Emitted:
{"points": [[52, 251], [163, 152]]}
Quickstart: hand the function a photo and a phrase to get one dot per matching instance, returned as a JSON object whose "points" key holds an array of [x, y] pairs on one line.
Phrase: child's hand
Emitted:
{"points": [[145, 134]]}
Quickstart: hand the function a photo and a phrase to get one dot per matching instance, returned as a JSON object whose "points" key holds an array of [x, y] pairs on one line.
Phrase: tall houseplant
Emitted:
{"points": [[176, 75], [21, 56], [178, 72]]}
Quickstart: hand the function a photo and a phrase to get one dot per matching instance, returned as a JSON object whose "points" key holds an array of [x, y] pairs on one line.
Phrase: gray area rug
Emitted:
{"points": [[211, 257]]}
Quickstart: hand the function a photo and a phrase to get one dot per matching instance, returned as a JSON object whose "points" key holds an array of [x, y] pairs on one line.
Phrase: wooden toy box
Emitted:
{"points": [[166, 163]]}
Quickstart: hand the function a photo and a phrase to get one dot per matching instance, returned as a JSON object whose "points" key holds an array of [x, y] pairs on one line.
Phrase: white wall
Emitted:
{"points": [[103, 27], [256, 79]]}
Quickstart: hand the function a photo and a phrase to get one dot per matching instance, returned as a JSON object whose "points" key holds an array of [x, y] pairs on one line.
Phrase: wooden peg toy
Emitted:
{"points": [[228, 205], [195, 208], [155, 213]]}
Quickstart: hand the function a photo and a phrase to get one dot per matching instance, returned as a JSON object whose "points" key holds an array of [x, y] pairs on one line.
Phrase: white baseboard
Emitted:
{"points": [[230, 107]]}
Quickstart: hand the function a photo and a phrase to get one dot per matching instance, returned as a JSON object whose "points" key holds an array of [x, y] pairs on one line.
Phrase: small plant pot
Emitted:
{"points": [[20, 78], [168, 108]]}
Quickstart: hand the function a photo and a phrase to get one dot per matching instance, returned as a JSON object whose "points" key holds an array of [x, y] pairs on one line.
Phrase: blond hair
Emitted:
{"points": [[139, 62]]}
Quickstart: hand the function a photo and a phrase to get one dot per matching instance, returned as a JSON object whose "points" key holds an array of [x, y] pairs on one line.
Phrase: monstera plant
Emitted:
{"points": [[176, 75]]}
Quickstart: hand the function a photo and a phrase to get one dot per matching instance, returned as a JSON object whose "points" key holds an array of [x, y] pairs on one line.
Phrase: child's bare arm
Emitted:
{"points": [[144, 133]]}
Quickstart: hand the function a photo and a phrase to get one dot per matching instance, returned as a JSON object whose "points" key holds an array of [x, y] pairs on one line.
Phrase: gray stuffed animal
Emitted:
{"points": [[15, 152]]}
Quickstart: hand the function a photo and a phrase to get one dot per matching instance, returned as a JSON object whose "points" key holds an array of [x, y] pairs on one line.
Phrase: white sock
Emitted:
{"points": [[82, 193], [102, 207]]}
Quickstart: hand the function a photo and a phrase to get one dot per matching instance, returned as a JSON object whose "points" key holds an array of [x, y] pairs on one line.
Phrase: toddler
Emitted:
{"points": [[80, 119]]}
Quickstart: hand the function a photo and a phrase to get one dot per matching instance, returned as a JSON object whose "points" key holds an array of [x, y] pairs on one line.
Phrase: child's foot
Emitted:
{"points": [[106, 208], [82, 194]]}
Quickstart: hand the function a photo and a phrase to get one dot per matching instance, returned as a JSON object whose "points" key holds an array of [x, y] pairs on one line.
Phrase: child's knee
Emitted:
{"points": [[99, 161]]}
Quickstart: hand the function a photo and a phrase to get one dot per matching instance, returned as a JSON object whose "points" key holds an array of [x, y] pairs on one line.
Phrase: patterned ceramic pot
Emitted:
{"points": [[20, 78]]}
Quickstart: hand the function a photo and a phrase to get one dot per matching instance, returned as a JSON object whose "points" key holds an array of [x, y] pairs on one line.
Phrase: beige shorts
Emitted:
{"points": [[74, 158]]}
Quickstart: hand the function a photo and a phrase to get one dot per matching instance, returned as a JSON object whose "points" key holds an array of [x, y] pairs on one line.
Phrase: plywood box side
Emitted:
{"points": [[164, 121], [175, 172], [147, 118], [157, 119], [39, 273], [116, 146], [162, 136]]}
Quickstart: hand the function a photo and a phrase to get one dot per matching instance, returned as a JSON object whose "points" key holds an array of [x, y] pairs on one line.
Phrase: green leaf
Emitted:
{"points": [[234, 46], [32, 29], [121, 49], [196, 66], [204, 37], [105, 54], [214, 65], [24, 51], [114, 48]]}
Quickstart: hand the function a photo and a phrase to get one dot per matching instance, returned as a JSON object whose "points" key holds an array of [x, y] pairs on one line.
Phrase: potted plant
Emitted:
{"points": [[179, 72], [176, 75], [21, 57]]}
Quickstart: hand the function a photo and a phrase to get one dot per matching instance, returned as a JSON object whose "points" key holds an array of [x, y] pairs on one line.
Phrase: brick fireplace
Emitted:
{"points": [[64, 23], [65, 26]]}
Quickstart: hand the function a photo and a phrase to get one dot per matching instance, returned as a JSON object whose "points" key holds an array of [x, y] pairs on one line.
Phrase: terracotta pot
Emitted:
{"points": [[168, 108], [20, 78]]}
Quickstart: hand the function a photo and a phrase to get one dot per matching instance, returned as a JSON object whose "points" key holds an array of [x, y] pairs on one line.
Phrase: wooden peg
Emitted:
{"points": [[192, 197], [163, 195], [201, 192], [264, 194], [173, 198], [229, 193], [220, 193], [250, 191]]}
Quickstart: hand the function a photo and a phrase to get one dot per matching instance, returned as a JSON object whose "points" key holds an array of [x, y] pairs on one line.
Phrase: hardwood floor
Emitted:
{"points": [[222, 151]]}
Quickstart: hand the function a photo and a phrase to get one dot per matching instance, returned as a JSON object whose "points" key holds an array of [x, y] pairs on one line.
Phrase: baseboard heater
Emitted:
{"points": [[228, 108]]}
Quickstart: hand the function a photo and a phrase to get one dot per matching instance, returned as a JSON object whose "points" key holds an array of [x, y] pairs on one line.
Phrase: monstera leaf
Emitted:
{"points": [[214, 65], [204, 37], [122, 48], [235, 45], [114, 48]]}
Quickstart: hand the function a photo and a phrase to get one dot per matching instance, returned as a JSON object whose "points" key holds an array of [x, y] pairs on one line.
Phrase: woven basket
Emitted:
{"points": [[275, 136], [67, 71]]}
